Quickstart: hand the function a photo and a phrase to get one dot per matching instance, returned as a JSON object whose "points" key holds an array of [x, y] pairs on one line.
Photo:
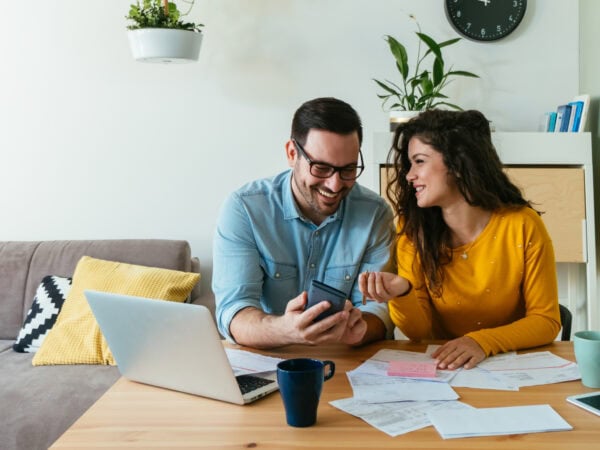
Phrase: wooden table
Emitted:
{"points": [[136, 415]]}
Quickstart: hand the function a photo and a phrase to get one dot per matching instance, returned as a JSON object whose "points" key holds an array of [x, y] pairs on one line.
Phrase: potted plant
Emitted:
{"points": [[421, 88], [158, 34]]}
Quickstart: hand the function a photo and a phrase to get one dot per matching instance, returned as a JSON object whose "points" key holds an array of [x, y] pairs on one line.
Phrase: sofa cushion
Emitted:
{"points": [[49, 298], [76, 337]]}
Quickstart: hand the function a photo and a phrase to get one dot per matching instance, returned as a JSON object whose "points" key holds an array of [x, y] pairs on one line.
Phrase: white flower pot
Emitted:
{"points": [[397, 117], [164, 45]]}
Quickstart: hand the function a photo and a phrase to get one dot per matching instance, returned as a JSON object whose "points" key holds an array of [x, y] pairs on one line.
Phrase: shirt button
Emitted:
{"points": [[312, 266], [316, 233], [277, 275], [347, 277]]}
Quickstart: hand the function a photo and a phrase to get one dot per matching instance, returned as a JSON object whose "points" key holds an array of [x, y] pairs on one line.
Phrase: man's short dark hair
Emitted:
{"points": [[325, 113]]}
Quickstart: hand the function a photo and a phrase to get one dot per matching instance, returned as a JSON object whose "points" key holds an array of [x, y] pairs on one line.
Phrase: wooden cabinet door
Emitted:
{"points": [[559, 193]]}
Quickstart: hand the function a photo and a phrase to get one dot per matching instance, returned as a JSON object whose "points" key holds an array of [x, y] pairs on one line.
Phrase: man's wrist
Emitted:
{"points": [[375, 328]]}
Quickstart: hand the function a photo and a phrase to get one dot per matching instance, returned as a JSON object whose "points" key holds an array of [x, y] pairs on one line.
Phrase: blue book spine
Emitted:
{"points": [[551, 121], [576, 109], [563, 114]]}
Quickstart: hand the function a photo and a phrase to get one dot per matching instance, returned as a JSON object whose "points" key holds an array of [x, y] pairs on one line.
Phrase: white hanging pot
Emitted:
{"points": [[397, 117], [164, 45]]}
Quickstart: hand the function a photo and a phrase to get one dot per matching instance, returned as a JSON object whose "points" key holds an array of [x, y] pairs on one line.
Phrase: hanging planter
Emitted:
{"points": [[158, 35], [164, 45]]}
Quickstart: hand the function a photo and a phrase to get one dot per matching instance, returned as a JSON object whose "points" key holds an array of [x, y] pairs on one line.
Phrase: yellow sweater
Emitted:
{"points": [[504, 295]]}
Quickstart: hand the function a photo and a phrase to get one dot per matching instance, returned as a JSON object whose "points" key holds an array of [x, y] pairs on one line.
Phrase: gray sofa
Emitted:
{"points": [[37, 404]]}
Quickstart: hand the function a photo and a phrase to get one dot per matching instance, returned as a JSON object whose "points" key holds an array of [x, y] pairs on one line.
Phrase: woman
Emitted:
{"points": [[475, 262]]}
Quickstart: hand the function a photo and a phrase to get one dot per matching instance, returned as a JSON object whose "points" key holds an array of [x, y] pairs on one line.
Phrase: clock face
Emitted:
{"points": [[485, 20]]}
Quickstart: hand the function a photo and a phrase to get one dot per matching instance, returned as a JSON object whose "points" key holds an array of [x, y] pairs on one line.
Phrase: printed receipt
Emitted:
{"points": [[397, 418]]}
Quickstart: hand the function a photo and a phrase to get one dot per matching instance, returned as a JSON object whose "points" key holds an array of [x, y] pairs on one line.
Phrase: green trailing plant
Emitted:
{"points": [[160, 14], [422, 88]]}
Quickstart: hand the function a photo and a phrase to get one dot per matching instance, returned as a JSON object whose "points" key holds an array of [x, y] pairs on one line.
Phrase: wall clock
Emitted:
{"points": [[485, 20]]}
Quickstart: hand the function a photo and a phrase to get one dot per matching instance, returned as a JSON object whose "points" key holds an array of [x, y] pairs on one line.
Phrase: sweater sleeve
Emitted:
{"points": [[541, 322], [411, 313]]}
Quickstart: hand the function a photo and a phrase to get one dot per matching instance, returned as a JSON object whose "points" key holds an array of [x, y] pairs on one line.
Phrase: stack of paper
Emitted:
{"points": [[397, 392], [400, 402], [511, 371], [495, 421], [397, 418]]}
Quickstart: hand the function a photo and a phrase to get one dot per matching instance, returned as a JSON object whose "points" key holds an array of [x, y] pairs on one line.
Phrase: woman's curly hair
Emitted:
{"points": [[465, 142]]}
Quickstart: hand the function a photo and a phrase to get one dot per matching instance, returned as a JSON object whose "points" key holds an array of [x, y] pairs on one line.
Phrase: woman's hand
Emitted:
{"points": [[382, 286], [459, 352]]}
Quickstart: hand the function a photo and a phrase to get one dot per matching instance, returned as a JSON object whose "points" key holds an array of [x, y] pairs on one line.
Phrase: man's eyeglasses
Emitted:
{"points": [[323, 170]]}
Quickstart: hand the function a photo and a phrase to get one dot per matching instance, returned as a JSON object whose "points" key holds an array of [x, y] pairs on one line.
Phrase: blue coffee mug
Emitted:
{"points": [[300, 384]]}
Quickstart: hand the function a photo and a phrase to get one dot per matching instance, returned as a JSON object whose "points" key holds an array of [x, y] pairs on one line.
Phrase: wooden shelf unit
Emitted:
{"points": [[555, 172]]}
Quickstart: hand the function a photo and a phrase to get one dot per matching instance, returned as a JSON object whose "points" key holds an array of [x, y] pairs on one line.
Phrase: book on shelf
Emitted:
{"points": [[563, 115], [576, 110], [571, 117], [549, 121], [583, 120]]}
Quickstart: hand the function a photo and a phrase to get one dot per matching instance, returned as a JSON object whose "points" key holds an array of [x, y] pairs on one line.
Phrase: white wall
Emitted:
{"points": [[96, 145]]}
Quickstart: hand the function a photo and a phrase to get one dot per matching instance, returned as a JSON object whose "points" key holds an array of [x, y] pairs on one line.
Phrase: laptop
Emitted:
{"points": [[173, 345]]}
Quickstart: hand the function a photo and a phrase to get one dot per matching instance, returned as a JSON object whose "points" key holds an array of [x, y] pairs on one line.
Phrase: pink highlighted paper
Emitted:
{"points": [[412, 369]]}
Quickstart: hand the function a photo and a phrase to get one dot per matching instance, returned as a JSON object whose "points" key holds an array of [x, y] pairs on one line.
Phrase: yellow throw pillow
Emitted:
{"points": [[76, 338]]}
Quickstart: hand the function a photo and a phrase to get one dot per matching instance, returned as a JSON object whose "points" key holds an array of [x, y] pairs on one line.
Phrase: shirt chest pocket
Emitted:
{"points": [[280, 285], [341, 277]]}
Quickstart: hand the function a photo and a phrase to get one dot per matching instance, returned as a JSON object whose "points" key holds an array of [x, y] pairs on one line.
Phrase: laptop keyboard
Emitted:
{"points": [[249, 383]]}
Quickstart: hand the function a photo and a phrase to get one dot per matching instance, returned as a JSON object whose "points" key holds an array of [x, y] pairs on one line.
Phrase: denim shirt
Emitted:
{"points": [[265, 253]]}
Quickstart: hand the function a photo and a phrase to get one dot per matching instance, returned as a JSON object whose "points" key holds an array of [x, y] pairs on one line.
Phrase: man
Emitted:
{"points": [[274, 236]]}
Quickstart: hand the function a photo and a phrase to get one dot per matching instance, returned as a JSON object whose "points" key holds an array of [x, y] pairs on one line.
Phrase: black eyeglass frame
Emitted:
{"points": [[359, 167]]}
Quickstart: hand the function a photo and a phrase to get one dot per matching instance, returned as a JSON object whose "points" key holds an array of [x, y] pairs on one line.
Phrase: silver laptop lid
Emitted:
{"points": [[167, 344]]}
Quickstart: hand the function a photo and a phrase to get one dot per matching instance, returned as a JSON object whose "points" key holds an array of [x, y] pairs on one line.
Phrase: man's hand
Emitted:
{"points": [[356, 327], [346, 326], [254, 328], [459, 352]]}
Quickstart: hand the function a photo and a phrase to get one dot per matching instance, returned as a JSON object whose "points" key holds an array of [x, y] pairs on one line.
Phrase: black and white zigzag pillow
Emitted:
{"points": [[48, 300]]}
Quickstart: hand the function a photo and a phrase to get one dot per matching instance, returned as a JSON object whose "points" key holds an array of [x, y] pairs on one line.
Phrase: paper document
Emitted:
{"points": [[509, 371], [482, 379], [496, 421], [531, 369], [379, 363], [412, 369], [399, 417], [243, 362], [384, 389]]}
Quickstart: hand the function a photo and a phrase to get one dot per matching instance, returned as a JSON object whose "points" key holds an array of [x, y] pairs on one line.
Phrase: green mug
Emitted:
{"points": [[587, 354]]}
